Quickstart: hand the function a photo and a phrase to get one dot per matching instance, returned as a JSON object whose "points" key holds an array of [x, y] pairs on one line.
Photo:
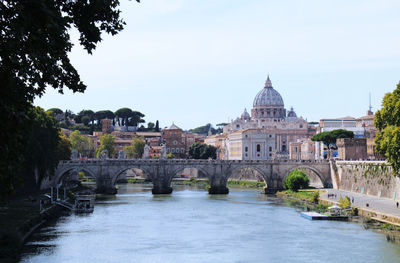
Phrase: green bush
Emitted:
{"points": [[296, 180], [316, 197], [344, 202]]}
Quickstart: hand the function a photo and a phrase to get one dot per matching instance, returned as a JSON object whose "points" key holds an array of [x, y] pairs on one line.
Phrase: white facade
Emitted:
{"points": [[265, 134]]}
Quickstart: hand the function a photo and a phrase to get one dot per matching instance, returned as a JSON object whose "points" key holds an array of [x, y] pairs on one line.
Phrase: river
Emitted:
{"points": [[192, 226]]}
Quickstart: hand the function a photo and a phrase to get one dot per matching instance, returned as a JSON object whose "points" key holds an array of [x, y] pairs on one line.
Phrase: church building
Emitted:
{"points": [[265, 134]]}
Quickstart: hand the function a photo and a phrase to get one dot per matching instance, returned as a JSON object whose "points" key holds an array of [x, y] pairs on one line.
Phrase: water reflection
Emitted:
{"points": [[191, 226]]}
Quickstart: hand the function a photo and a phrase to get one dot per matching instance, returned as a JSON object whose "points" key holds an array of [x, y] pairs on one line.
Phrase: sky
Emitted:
{"points": [[194, 62]]}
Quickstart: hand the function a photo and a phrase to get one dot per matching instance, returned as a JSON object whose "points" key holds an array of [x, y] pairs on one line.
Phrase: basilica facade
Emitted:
{"points": [[265, 134]]}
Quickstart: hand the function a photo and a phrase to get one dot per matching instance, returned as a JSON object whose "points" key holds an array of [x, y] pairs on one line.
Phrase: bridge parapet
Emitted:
{"points": [[161, 171]]}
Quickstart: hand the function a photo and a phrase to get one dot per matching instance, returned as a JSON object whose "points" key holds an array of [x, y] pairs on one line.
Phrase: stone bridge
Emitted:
{"points": [[162, 171]]}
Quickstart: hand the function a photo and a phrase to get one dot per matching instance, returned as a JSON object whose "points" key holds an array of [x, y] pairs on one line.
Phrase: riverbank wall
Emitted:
{"points": [[374, 178], [368, 213]]}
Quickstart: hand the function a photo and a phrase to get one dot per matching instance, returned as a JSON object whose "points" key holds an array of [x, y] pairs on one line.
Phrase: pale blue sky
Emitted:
{"points": [[203, 61]]}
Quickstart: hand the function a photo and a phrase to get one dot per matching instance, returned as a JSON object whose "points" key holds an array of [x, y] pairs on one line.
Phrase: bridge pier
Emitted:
{"points": [[105, 186], [218, 190], [268, 190], [218, 186]]}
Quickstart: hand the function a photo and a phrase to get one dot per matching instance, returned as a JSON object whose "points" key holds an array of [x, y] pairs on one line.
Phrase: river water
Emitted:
{"points": [[192, 226]]}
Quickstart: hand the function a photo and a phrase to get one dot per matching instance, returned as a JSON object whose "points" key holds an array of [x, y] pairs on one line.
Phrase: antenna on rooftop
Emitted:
{"points": [[370, 106]]}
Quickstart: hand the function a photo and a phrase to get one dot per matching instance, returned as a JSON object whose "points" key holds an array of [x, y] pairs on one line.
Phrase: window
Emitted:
{"points": [[173, 150], [175, 142], [246, 136], [237, 126], [182, 150], [246, 149], [245, 155], [167, 150], [283, 148], [270, 136], [270, 149], [258, 148], [301, 125]]}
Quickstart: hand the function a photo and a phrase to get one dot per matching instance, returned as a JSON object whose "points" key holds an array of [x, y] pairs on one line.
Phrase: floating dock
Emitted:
{"points": [[318, 216]]}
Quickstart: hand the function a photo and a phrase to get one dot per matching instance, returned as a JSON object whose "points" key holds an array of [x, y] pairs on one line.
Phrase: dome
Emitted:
{"points": [[291, 113], [245, 115], [268, 96]]}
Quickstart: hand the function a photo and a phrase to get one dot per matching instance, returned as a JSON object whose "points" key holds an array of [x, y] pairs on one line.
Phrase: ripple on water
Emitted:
{"points": [[192, 226]]}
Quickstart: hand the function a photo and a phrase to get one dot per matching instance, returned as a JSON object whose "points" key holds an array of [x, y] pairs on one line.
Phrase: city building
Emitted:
{"points": [[266, 133], [352, 148], [302, 150], [174, 141]]}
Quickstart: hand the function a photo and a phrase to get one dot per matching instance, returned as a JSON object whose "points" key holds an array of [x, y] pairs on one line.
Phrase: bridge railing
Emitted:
{"points": [[192, 161]]}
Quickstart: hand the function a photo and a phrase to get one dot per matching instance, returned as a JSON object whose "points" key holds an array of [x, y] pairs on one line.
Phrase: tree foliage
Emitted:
{"points": [[55, 111], [329, 137], [107, 143], [204, 129], [202, 151], [34, 45], [296, 180], [80, 143], [387, 120], [46, 146], [136, 149]]}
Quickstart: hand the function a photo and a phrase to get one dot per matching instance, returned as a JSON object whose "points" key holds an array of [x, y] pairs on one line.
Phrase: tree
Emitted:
{"points": [[296, 180], [107, 143], [387, 121], [329, 137], [136, 118], [80, 143], [136, 149], [202, 151], [34, 45], [150, 126], [124, 114], [85, 120], [157, 128], [204, 129], [44, 149], [55, 111], [64, 148]]}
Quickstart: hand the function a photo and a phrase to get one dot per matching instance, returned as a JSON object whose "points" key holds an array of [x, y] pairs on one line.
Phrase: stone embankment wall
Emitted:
{"points": [[373, 178]]}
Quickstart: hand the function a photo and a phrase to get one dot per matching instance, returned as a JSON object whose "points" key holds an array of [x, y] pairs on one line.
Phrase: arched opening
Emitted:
{"points": [[312, 174], [131, 175], [192, 177], [76, 178], [247, 177], [132, 180]]}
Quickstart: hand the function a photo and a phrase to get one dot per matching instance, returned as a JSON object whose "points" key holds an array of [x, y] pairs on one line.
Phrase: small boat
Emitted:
{"points": [[84, 203]]}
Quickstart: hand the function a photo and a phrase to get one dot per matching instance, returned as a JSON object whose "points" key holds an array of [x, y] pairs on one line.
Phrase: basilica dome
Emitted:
{"points": [[268, 104], [268, 96], [245, 115]]}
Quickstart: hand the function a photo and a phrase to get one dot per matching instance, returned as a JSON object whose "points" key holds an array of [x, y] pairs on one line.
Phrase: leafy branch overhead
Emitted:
{"points": [[34, 46], [387, 120]]}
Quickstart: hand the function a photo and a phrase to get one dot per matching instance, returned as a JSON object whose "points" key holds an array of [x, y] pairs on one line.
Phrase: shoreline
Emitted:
{"points": [[364, 216]]}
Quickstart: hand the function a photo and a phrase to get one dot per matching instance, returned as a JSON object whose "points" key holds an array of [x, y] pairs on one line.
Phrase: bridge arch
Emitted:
{"points": [[117, 174], [317, 180], [61, 174], [188, 166], [261, 175]]}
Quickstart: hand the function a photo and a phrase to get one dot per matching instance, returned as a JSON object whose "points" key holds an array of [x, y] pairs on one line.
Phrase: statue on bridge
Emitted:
{"points": [[146, 152], [74, 155], [103, 154], [163, 152], [121, 154]]}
